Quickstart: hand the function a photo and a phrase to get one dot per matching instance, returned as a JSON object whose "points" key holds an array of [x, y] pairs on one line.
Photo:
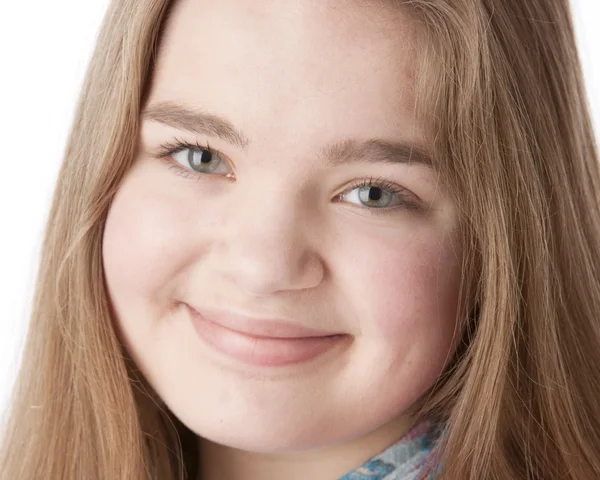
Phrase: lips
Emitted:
{"points": [[261, 342]]}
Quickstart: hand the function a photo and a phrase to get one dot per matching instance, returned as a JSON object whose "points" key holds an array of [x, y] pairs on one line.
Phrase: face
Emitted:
{"points": [[282, 275]]}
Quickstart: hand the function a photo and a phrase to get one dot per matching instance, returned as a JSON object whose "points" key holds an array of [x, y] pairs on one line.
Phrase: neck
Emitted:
{"points": [[220, 461]]}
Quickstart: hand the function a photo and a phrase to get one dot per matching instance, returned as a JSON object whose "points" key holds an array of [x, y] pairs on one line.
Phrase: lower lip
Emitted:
{"points": [[261, 351]]}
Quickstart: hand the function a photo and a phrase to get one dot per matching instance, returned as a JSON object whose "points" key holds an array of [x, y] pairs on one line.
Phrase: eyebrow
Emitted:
{"points": [[349, 151]]}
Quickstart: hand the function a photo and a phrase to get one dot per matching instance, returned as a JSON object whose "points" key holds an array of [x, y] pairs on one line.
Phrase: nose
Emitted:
{"points": [[270, 246]]}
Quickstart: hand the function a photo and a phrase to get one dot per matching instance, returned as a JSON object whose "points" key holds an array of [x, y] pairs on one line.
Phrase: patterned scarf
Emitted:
{"points": [[414, 457]]}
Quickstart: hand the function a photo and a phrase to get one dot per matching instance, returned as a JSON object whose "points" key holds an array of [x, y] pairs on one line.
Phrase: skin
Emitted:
{"points": [[274, 239]]}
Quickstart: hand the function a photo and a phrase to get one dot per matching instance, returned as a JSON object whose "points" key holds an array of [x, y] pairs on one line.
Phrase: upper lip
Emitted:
{"points": [[257, 326]]}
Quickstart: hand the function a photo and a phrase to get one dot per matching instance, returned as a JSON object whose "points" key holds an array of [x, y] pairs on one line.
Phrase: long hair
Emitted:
{"points": [[500, 87]]}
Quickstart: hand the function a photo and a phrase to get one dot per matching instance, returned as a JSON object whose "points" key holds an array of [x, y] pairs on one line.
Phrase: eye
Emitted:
{"points": [[201, 160], [378, 195], [375, 197]]}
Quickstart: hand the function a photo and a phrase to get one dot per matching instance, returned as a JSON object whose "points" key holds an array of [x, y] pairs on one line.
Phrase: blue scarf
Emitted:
{"points": [[412, 458]]}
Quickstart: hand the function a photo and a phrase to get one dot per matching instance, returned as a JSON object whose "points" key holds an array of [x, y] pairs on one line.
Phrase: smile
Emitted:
{"points": [[250, 343]]}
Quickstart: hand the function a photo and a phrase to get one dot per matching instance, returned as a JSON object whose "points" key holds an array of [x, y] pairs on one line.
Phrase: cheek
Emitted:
{"points": [[408, 290], [144, 244], [421, 288]]}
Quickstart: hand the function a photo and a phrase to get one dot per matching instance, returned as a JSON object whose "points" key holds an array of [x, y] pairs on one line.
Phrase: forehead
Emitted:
{"points": [[299, 20], [341, 64]]}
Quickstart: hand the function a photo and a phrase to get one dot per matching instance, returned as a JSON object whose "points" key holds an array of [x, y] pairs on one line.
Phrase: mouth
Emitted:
{"points": [[261, 342]]}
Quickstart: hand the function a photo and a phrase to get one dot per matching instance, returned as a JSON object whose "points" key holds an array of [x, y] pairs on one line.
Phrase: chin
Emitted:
{"points": [[271, 438]]}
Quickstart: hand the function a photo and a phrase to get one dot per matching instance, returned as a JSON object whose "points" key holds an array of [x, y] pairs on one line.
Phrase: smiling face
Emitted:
{"points": [[279, 232]]}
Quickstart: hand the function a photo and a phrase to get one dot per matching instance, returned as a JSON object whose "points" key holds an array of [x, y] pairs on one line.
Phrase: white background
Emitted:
{"points": [[44, 49]]}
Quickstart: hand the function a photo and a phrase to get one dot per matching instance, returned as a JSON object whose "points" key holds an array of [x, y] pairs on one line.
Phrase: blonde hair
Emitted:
{"points": [[501, 88]]}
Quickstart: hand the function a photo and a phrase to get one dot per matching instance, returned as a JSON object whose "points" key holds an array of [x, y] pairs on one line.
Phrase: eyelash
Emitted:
{"points": [[168, 149], [382, 183]]}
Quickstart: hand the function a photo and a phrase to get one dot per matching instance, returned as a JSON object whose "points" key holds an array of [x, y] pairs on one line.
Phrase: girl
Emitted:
{"points": [[322, 240]]}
